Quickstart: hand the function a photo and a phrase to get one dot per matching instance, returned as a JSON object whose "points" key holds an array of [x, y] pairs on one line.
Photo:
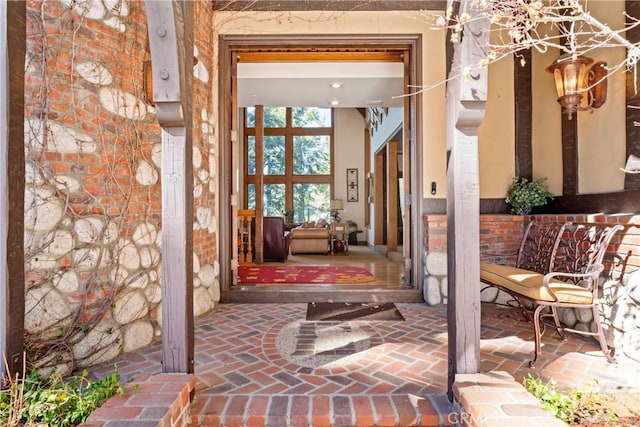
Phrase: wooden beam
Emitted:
{"points": [[367, 169], [410, 176], [378, 200], [523, 105], [327, 5], [232, 151], [259, 184], [12, 289], [171, 42], [632, 180], [466, 99], [307, 55]]}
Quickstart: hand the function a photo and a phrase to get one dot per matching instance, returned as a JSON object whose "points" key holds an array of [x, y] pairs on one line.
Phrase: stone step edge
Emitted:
{"points": [[495, 399]]}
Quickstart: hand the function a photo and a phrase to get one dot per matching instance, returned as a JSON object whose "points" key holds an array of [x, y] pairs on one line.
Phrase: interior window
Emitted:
{"points": [[274, 117], [274, 200], [251, 155], [311, 202], [274, 195], [311, 155], [274, 155], [297, 164], [311, 117]]}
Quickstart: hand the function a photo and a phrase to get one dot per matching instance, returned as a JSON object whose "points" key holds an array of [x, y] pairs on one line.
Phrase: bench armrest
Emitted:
{"points": [[591, 276]]}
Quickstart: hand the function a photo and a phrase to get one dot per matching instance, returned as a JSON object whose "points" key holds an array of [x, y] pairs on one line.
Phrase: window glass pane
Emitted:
{"points": [[274, 200], [251, 155], [273, 156], [275, 117], [250, 117], [311, 117], [311, 155], [311, 202], [251, 196]]}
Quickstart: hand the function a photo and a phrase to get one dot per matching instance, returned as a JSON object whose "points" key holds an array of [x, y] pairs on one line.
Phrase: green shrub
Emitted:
{"points": [[57, 401], [523, 195], [569, 407]]}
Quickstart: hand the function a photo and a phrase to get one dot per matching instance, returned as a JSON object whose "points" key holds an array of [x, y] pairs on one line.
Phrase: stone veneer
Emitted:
{"points": [[93, 165], [500, 236]]}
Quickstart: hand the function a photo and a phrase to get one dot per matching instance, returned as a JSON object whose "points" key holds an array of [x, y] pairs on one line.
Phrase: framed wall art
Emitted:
{"points": [[352, 185]]}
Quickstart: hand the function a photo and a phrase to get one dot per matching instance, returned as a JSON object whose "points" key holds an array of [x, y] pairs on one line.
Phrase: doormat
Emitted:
{"points": [[303, 274], [332, 311]]}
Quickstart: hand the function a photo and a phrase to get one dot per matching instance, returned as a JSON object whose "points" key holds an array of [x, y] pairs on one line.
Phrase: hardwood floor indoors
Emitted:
{"points": [[388, 286], [388, 272]]}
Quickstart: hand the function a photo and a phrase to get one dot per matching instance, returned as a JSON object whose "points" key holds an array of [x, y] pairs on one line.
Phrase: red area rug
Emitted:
{"points": [[299, 274]]}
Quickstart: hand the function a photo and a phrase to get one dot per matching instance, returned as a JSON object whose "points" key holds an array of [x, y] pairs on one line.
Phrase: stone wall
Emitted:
{"points": [[500, 237], [93, 201]]}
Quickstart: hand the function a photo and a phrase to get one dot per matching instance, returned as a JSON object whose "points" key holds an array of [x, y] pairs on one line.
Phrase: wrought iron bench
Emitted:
{"points": [[558, 265]]}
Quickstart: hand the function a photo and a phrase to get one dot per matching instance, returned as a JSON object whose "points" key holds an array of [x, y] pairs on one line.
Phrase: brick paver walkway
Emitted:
{"points": [[263, 364]]}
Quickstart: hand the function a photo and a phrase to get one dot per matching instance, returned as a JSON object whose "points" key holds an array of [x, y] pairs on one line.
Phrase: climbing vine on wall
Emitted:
{"points": [[92, 198]]}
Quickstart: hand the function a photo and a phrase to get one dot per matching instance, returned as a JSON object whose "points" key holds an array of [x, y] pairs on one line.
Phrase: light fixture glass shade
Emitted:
{"points": [[571, 77]]}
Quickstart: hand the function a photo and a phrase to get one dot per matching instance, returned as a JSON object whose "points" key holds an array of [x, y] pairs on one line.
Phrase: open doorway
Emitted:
{"points": [[244, 177]]}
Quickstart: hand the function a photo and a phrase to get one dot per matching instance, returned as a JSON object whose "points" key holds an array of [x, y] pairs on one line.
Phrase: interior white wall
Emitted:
{"points": [[387, 128], [349, 153]]}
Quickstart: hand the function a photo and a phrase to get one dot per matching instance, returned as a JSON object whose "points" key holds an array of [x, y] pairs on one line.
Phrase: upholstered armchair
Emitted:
{"points": [[275, 239]]}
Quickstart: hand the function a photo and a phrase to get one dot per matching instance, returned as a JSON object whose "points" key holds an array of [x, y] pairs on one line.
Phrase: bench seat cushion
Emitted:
{"points": [[529, 284]]}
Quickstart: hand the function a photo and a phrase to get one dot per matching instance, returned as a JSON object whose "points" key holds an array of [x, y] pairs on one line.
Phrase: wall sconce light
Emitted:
{"points": [[574, 76]]}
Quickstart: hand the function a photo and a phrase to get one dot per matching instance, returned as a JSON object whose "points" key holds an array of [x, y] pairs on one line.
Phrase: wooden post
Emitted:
{"points": [[171, 41], [12, 57], [466, 99], [412, 176], [392, 196], [258, 242], [378, 199]]}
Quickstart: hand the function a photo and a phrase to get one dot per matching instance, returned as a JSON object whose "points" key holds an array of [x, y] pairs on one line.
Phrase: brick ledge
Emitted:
{"points": [[160, 400], [496, 399]]}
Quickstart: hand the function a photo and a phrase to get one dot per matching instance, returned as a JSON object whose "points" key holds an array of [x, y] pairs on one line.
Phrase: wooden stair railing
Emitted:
{"points": [[245, 245]]}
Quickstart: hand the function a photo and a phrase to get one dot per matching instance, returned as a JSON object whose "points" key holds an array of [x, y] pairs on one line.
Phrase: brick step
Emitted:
{"points": [[283, 410]]}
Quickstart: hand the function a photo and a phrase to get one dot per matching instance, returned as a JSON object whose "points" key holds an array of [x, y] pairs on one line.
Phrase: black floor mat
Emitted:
{"points": [[332, 311]]}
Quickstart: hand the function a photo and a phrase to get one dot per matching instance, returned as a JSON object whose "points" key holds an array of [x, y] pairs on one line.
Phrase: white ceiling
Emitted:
{"points": [[308, 84]]}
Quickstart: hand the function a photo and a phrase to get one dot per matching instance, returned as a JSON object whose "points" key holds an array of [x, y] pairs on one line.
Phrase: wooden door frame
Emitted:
{"points": [[229, 46]]}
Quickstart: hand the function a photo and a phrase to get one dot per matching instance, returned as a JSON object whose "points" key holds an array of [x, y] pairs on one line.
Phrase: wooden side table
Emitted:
{"points": [[339, 231]]}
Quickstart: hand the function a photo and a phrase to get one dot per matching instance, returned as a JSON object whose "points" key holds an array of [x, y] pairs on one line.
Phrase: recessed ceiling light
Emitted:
{"points": [[336, 85], [334, 103]]}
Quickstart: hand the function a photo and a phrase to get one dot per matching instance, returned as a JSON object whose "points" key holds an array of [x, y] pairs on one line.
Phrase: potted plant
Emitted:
{"points": [[523, 195]]}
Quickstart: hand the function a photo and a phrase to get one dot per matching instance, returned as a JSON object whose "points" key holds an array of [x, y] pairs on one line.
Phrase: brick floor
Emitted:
{"points": [[263, 364]]}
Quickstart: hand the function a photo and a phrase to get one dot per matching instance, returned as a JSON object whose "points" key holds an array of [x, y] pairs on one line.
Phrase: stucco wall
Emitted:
{"points": [[496, 146], [546, 132], [602, 134]]}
